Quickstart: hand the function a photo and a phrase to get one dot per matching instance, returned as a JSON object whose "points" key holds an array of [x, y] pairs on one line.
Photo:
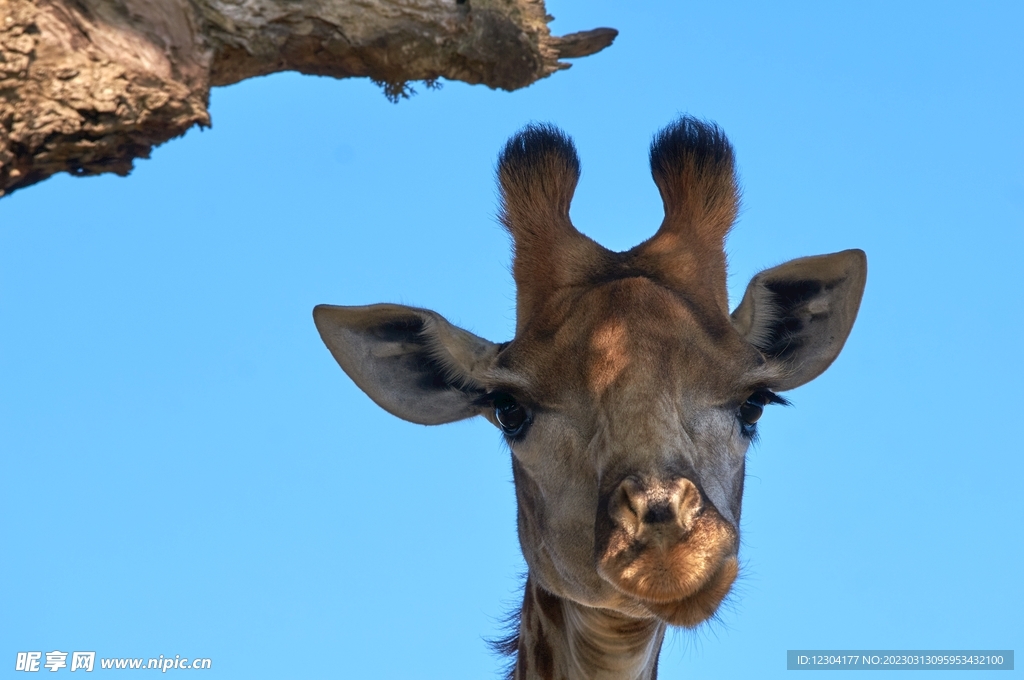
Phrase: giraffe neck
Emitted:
{"points": [[562, 640]]}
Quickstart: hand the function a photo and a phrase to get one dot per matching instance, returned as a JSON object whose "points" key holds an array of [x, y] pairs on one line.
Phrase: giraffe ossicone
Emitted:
{"points": [[628, 396]]}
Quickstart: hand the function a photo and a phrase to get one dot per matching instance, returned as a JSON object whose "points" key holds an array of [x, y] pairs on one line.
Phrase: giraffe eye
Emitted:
{"points": [[510, 414], [750, 411]]}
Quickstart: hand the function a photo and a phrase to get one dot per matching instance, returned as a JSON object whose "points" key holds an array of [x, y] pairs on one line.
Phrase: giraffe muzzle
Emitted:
{"points": [[667, 546]]}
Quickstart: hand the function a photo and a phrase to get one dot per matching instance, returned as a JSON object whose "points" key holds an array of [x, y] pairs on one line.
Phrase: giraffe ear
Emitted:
{"points": [[800, 313], [411, 362]]}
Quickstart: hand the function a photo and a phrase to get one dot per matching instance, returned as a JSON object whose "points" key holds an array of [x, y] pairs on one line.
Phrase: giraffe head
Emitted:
{"points": [[629, 394]]}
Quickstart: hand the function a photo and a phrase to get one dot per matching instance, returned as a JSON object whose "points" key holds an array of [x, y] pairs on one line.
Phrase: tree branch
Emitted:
{"points": [[87, 86]]}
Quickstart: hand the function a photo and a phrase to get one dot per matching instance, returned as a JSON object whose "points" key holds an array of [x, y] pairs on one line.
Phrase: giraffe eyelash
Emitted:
{"points": [[766, 396]]}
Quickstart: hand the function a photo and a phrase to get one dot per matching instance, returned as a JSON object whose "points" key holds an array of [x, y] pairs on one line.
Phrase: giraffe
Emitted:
{"points": [[628, 396]]}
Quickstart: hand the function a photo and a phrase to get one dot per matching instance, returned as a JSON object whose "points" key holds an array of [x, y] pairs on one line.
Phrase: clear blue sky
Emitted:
{"points": [[187, 471]]}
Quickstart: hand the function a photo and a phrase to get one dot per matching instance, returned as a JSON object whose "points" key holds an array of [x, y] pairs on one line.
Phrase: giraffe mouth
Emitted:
{"points": [[691, 611], [680, 576]]}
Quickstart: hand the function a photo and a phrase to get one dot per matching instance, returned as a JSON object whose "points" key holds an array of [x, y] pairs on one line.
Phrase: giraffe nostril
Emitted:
{"points": [[628, 505], [687, 503]]}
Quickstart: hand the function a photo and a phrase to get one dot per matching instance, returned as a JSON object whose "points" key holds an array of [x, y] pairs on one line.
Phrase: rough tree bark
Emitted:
{"points": [[87, 86]]}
